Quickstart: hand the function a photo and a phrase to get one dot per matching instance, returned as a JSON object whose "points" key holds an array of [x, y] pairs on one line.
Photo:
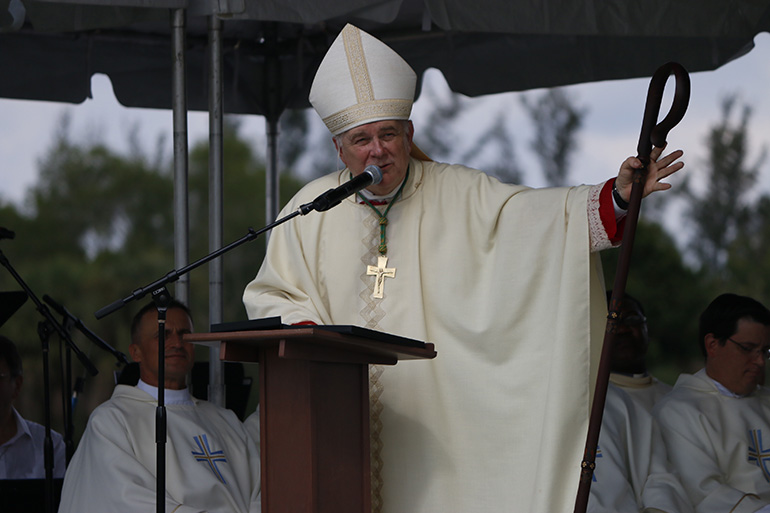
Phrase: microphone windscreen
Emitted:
{"points": [[375, 172]]}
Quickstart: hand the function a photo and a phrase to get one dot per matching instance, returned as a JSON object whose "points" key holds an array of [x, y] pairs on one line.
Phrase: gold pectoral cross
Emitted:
{"points": [[380, 271]]}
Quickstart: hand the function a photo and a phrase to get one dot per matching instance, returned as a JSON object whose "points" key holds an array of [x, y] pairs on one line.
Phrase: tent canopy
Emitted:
{"points": [[271, 48]]}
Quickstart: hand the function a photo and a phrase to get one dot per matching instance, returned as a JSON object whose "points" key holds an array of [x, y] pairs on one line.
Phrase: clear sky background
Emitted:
{"points": [[610, 132]]}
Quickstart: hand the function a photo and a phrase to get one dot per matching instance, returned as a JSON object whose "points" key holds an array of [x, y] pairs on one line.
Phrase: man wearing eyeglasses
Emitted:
{"points": [[632, 470], [629, 355], [22, 442], [716, 422]]}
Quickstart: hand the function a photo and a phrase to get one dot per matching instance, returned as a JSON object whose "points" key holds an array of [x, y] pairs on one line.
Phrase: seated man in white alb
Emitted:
{"points": [[632, 472], [212, 464], [629, 355], [713, 421]]}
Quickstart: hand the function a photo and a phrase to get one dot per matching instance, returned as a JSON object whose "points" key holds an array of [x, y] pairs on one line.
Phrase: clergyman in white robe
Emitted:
{"points": [[645, 389], [505, 282], [720, 444], [212, 464], [632, 472]]}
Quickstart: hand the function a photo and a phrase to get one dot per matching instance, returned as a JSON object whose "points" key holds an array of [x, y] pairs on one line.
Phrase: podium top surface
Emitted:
{"points": [[333, 339], [274, 323]]}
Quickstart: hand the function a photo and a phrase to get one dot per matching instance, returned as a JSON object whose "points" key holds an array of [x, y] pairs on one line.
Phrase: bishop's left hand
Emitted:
{"points": [[658, 169]]}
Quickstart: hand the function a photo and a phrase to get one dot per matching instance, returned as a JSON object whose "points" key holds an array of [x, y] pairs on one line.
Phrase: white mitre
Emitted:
{"points": [[361, 80]]}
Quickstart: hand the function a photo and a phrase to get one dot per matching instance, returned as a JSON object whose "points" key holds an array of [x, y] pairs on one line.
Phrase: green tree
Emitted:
{"points": [[556, 119], [95, 226], [498, 141], [672, 295], [748, 267], [293, 137], [718, 212], [305, 145], [99, 225], [244, 208], [436, 138]]}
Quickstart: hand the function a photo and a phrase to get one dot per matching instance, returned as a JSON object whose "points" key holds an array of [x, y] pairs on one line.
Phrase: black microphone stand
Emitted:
{"points": [[70, 391], [45, 328], [162, 298], [67, 406], [324, 202], [174, 274], [93, 337]]}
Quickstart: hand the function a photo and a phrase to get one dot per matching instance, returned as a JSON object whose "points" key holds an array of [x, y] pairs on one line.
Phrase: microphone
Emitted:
{"points": [[82, 327], [372, 175], [5, 233]]}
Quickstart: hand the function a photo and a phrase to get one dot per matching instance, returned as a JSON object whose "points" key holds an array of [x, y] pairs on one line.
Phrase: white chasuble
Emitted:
{"points": [[501, 278], [645, 390], [632, 470], [212, 464], [719, 445]]}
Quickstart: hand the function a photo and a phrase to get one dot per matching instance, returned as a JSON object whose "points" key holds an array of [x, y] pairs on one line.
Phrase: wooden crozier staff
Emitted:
{"points": [[652, 134]]}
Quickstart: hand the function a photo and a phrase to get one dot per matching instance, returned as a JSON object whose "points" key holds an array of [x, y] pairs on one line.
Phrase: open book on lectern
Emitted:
{"points": [[274, 323]]}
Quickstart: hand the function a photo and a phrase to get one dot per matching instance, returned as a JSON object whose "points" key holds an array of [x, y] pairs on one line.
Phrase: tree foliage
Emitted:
{"points": [[244, 208], [748, 267], [436, 137], [718, 212], [305, 145], [729, 241], [556, 119], [100, 225], [497, 140], [294, 134], [671, 293]]}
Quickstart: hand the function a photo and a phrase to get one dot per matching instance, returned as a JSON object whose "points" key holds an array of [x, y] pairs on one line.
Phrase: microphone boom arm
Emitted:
{"points": [[374, 175], [93, 337]]}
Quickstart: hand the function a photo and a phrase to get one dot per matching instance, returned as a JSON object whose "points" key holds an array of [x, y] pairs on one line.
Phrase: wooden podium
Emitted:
{"points": [[314, 410]]}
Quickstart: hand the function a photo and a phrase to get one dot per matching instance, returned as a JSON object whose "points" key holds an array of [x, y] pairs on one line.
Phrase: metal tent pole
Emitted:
{"points": [[273, 110], [216, 391], [179, 106]]}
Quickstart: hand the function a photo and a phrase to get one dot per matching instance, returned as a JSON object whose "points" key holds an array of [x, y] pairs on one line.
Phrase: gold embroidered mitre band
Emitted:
{"points": [[361, 80]]}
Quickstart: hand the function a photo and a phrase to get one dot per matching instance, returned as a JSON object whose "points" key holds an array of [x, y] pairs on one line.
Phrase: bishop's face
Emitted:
{"points": [[385, 144]]}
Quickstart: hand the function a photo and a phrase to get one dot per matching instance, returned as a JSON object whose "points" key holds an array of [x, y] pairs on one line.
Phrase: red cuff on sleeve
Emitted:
{"points": [[305, 323], [613, 227]]}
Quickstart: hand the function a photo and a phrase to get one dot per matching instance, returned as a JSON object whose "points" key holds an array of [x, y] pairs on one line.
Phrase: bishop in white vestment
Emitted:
{"points": [[503, 279]]}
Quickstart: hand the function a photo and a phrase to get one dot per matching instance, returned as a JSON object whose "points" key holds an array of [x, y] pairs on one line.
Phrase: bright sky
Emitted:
{"points": [[610, 132]]}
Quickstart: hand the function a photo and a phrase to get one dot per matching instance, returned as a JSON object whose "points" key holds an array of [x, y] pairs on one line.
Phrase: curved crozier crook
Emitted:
{"points": [[654, 133]]}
